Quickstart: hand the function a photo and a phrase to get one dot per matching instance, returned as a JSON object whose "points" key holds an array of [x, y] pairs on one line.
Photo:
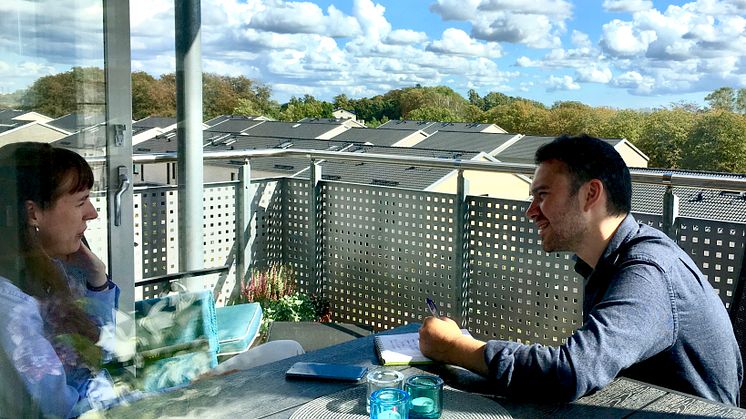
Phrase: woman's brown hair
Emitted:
{"points": [[40, 173]]}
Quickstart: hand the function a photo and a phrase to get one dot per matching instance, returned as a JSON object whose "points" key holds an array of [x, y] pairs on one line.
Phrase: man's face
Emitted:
{"points": [[555, 210]]}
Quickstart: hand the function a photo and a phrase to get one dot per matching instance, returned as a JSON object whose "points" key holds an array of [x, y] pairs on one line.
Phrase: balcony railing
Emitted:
{"points": [[376, 252]]}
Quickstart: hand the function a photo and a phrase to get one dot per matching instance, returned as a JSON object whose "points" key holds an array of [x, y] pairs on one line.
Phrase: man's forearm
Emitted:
{"points": [[468, 352]]}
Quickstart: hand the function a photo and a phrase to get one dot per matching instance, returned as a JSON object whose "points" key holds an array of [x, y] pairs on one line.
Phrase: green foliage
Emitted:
{"points": [[59, 94], [152, 97], [275, 290], [717, 142], [305, 107], [722, 99], [664, 134]]}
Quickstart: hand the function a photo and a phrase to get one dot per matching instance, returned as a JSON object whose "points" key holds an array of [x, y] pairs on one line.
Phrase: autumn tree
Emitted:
{"points": [[520, 117], [151, 96], [717, 142], [664, 135], [305, 107], [60, 94]]}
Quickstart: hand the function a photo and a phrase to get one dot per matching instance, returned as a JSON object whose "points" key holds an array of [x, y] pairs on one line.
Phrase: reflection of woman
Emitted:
{"points": [[50, 318], [54, 292]]}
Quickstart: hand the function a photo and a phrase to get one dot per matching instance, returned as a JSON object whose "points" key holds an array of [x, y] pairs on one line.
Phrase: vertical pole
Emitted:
{"points": [[670, 212], [244, 215], [315, 229], [119, 148], [461, 248], [189, 133]]}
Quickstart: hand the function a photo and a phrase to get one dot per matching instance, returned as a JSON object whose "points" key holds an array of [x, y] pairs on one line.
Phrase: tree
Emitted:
{"points": [[740, 105], [519, 116], [433, 113], [625, 123], [151, 97], [723, 98], [342, 102], [717, 142], [59, 94], [664, 135], [306, 107]]}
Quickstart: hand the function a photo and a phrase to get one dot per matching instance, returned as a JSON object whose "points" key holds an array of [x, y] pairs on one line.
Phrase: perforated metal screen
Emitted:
{"points": [[383, 250], [518, 291]]}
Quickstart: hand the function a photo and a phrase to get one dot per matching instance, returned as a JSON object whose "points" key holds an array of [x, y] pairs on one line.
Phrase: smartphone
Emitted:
{"points": [[323, 371]]}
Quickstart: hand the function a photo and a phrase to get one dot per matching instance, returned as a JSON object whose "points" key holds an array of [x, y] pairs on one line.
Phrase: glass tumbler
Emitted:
{"points": [[426, 396], [389, 403], [381, 378]]}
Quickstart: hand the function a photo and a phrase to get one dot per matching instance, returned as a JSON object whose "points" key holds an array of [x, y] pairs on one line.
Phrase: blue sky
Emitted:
{"points": [[618, 53]]}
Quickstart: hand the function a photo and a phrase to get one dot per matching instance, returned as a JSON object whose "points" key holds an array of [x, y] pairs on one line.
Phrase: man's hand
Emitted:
{"points": [[90, 264], [441, 339]]}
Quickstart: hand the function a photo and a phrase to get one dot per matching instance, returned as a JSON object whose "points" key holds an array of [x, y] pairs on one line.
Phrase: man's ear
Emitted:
{"points": [[594, 194]]}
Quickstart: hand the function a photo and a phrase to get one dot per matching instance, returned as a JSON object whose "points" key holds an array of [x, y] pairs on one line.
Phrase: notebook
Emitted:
{"points": [[402, 349]]}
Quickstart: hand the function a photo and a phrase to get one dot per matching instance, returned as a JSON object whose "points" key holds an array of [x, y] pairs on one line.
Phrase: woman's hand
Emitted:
{"points": [[90, 264]]}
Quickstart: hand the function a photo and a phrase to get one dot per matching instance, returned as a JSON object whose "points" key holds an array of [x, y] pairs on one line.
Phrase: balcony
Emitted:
{"points": [[377, 251]]}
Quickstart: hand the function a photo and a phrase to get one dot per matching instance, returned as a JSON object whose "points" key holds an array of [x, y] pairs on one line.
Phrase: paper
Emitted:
{"points": [[402, 349]]}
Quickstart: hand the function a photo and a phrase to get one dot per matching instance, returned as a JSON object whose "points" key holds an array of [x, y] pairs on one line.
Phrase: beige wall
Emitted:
{"points": [[31, 132], [497, 185], [631, 156], [332, 133], [411, 140]]}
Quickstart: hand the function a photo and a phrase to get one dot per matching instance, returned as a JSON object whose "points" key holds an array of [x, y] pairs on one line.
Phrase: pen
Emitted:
{"points": [[432, 307]]}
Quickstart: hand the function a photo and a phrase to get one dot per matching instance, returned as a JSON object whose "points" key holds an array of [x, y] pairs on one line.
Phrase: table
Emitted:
{"points": [[314, 335], [263, 392]]}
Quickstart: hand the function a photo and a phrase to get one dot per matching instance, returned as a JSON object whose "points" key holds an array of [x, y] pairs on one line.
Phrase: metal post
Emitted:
{"points": [[670, 212], [119, 149], [461, 248], [189, 133], [244, 215], [315, 229]]}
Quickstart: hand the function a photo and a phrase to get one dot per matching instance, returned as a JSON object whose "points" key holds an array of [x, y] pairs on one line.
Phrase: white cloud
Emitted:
{"points": [[580, 39], [304, 17], [594, 74], [635, 82], [629, 6], [623, 38], [372, 21], [456, 9], [536, 31], [557, 8], [405, 37], [527, 62], [561, 83], [457, 42]]}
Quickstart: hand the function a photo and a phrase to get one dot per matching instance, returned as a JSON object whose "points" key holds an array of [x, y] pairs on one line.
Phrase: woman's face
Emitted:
{"points": [[62, 225]]}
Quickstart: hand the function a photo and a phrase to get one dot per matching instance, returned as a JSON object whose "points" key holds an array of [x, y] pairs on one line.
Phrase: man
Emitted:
{"points": [[648, 312]]}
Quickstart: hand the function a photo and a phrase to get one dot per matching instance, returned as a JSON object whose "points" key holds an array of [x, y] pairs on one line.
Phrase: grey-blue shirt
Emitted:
{"points": [[648, 314]]}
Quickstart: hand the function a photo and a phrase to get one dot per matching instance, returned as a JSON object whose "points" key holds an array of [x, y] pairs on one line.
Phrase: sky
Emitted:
{"points": [[616, 53]]}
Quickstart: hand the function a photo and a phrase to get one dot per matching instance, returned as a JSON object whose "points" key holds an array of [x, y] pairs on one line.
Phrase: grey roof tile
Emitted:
{"points": [[473, 141], [383, 137], [523, 150]]}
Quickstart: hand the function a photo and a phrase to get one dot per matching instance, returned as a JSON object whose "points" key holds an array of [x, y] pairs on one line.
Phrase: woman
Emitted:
{"points": [[54, 292], [52, 319]]}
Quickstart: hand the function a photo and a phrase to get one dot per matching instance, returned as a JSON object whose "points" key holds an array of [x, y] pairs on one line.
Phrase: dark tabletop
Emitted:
{"points": [[263, 392]]}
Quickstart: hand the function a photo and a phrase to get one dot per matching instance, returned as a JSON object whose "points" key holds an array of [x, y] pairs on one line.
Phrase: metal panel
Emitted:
{"points": [[296, 233], [518, 291], [385, 251], [717, 248], [267, 238]]}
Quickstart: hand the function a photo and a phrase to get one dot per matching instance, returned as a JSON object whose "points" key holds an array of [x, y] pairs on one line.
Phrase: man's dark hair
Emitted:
{"points": [[589, 158]]}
